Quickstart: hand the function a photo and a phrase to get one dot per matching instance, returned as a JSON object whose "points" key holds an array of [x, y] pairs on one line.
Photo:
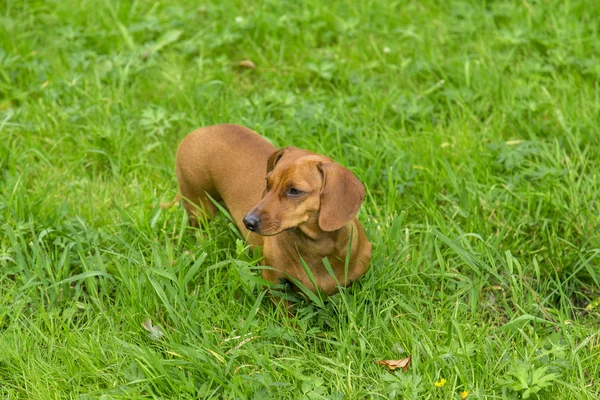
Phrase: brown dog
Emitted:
{"points": [[307, 208]]}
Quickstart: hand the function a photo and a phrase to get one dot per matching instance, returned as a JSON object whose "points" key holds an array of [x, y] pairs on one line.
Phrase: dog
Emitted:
{"points": [[294, 203]]}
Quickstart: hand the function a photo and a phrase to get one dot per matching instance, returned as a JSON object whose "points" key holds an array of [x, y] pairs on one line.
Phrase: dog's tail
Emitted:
{"points": [[170, 204]]}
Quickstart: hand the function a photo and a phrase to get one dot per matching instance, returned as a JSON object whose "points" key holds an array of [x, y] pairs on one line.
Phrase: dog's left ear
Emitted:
{"points": [[276, 156], [341, 196]]}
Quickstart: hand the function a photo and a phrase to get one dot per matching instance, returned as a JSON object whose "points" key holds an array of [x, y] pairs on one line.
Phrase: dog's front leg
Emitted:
{"points": [[279, 285]]}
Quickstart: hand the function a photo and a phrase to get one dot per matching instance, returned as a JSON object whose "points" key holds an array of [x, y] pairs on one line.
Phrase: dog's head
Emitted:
{"points": [[304, 187]]}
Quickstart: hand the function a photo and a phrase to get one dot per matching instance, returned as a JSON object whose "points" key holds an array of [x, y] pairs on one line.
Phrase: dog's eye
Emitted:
{"points": [[293, 192]]}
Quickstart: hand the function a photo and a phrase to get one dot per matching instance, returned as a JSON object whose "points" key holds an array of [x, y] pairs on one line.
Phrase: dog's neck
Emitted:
{"points": [[334, 243]]}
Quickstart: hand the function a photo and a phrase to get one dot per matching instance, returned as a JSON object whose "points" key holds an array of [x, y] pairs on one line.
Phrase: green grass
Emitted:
{"points": [[472, 124]]}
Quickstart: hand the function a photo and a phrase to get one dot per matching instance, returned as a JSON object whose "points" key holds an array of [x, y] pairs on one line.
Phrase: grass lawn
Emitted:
{"points": [[473, 124]]}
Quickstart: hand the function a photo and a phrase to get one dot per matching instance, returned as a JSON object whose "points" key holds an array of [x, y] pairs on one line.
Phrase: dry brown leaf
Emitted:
{"points": [[394, 364], [247, 64]]}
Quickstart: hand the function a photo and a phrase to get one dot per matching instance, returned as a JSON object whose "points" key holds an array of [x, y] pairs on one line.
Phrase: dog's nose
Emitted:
{"points": [[251, 222]]}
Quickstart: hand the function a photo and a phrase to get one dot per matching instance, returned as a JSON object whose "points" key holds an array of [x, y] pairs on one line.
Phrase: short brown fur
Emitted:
{"points": [[229, 163]]}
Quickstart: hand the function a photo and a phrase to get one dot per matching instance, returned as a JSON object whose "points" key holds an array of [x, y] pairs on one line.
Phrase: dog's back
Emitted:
{"points": [[229, 163]]}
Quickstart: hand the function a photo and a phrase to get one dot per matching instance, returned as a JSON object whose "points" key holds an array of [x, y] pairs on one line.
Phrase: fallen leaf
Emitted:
{"points": [[247, 64], [393, 364], [156, 331]]}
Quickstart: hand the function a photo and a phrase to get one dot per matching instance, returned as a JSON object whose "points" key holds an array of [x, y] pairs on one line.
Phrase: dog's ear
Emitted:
{"points": [[276, 156], [341, 196]]}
